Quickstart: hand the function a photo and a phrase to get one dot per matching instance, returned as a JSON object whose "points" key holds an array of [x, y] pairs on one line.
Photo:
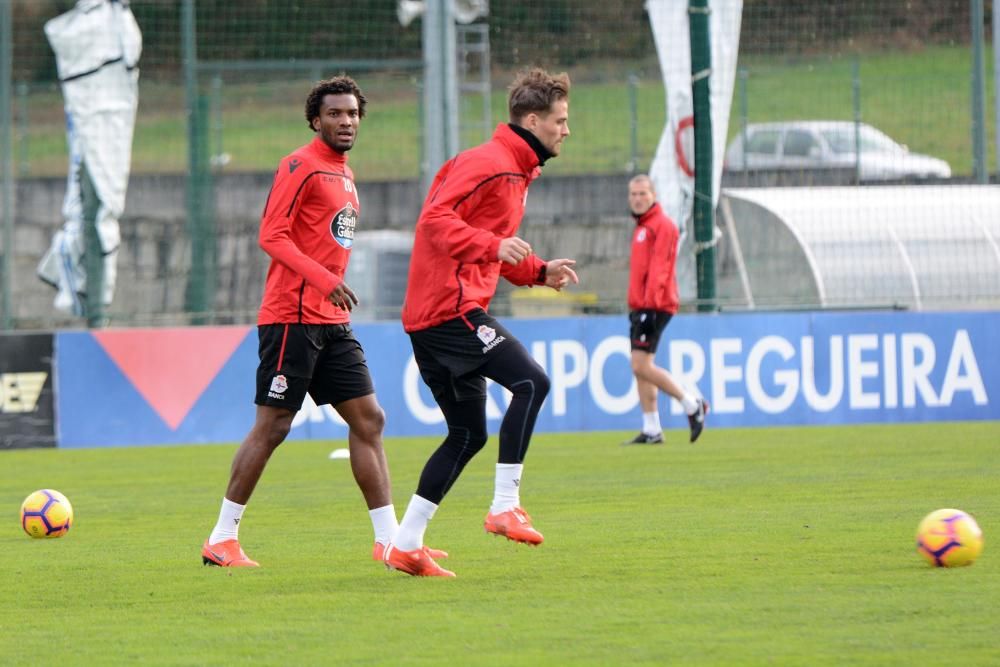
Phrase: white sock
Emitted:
{"points": [[690, 402], [507, 490], [228, 527], [384, 523], [410, 535], [651, 423]]}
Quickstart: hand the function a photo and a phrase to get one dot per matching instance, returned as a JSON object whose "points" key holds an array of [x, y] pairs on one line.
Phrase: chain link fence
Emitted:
{"points": [[211, 129]]}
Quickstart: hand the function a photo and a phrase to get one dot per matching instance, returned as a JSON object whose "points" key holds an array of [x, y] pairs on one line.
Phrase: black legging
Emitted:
{"points": [[513, 369]]}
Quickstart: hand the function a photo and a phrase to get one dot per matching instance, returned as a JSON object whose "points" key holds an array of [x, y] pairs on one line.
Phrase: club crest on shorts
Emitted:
{"points": [[342, 225], [279, 384], [489, 336], [486, 334]]}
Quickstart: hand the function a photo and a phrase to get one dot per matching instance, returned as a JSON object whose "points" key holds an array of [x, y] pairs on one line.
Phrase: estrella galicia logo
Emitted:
{"points": [[294, 164], [343, 224]]}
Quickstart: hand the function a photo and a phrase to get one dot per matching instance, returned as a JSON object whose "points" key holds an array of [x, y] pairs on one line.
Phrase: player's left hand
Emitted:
{"points": [[343, 297], [559, 273]]}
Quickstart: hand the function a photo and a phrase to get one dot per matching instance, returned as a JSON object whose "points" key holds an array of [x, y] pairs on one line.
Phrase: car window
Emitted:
{"points": [[764, 142], [798, 143], [873, 141], [840, 141]]}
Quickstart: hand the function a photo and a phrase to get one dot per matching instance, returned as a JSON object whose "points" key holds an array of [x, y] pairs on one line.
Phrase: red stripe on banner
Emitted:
{"points": [[171, 368]]}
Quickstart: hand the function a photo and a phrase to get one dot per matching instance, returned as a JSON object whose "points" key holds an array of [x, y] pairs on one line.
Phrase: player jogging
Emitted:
{"points": [[465, 241], [652, 301]]}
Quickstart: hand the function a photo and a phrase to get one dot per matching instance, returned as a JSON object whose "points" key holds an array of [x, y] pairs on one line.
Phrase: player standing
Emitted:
{"points": [[465, 241]]}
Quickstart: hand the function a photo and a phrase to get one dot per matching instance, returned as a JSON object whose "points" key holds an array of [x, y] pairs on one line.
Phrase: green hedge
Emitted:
{"points": [[553, 32]]}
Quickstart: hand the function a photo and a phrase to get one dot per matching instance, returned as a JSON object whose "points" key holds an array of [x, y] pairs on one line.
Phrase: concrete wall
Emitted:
{"points": [[584, 217]]}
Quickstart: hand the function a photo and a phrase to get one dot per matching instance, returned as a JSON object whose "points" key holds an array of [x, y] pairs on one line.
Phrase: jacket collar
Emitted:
{"points": [[654, 210], [525, 153], [324, 150]]}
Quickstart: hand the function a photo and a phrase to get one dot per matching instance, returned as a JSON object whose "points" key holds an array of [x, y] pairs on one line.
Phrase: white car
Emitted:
{"points": [[817, 145]]}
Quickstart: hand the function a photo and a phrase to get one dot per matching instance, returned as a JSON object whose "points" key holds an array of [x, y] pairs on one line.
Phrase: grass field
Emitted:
{"points": [[919, 98], [789, 546]]}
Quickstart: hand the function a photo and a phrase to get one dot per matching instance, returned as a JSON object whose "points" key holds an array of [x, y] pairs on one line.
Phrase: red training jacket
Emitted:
{"points": [[476, 200], [652, 283], [308, 230]]}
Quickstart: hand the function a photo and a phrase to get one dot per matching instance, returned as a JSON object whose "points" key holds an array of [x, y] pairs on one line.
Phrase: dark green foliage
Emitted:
{"points": [[554, 33]]}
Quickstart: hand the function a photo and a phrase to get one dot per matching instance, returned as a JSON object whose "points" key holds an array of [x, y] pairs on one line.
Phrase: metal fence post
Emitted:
{"points": [[7, 158], [217, 152], [996, 85], [704, 225], [21, 125], [856, 102], [633, 117], [978, 95], [743, 75], [92, 251], [199, 295], [440, 126]]}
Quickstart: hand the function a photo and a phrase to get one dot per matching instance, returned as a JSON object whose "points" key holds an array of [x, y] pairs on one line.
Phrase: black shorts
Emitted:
{"points": [[449, 354], [646, 327], [322, 359]]}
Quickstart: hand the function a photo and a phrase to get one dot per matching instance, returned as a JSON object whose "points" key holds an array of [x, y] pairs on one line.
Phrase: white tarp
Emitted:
{"points": [[672, 170], [917, 246], [97, 46]]}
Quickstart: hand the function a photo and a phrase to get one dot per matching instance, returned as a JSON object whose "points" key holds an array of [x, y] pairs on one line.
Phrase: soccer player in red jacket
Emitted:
{"points": [[652, 301], [306, 342], [466, 239]]}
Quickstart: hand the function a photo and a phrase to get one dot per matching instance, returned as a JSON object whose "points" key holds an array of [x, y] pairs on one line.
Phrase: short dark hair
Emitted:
{"points": [[338, 85], [534, 90], [643, 178]]}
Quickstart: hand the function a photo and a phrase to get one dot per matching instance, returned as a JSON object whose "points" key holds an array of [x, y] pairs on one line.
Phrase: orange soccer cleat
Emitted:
{"points": [[514, 524], [225, 554], [416, 562], [378, 552]]}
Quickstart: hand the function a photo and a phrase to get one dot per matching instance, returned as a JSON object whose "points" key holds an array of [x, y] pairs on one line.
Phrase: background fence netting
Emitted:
{"points": [[209, 134]]}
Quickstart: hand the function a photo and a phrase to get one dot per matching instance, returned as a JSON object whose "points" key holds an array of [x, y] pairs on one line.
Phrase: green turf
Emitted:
{"points": [[920, 98], [789, 546]]}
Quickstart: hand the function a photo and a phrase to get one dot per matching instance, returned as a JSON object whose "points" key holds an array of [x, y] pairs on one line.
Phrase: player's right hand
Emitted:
{"points": [[513, 250], [343, 297]]}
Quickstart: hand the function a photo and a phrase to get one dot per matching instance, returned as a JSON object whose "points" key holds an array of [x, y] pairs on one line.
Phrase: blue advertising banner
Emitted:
{"points": [[135, 387]]}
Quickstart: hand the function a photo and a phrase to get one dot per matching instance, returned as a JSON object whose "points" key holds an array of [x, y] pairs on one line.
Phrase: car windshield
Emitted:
{"points": [[841, 140]]}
